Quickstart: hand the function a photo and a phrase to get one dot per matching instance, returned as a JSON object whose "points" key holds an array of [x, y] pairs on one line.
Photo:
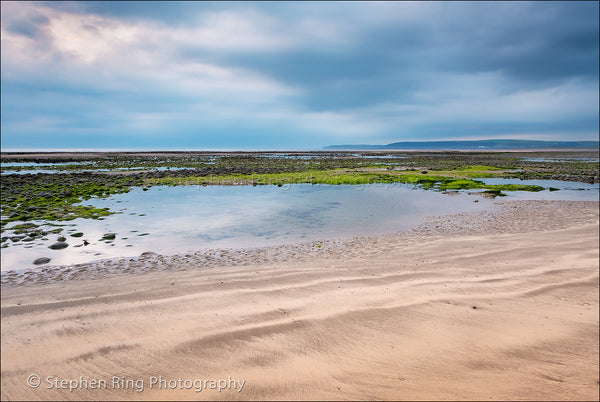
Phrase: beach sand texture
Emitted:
{"points": [[487, 306]]}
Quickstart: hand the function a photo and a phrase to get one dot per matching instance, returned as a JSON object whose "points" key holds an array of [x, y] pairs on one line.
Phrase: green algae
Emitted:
{"points": [[515, 187], [495, 193], [338, 177], [58, 197], [54, 197]]}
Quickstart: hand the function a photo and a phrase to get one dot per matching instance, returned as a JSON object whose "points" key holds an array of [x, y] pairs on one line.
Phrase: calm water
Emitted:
{"points": [[568, 190], [53, 171], [37, 164], [565, 159], [172, 220]]}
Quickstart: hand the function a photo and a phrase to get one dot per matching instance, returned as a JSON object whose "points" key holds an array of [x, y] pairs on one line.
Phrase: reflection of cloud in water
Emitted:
{"points": [[308, 218], [213, 237], [187, 218]]}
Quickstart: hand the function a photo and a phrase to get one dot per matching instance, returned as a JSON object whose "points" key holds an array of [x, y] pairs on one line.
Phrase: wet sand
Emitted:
{"points": [[495, 305]]}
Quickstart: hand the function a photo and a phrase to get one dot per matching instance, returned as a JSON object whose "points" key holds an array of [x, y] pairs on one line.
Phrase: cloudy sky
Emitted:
{"points": [[301, 75]]}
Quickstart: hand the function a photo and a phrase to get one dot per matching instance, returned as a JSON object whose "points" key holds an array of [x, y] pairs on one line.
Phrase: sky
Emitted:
{"points": [[295, 75]]}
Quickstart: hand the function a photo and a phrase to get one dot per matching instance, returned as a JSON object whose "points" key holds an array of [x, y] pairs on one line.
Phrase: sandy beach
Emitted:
{"points": [[484, 306]]}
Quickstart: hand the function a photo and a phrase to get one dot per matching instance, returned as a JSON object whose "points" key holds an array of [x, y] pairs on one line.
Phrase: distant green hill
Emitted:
{"points": [[473, 145]]}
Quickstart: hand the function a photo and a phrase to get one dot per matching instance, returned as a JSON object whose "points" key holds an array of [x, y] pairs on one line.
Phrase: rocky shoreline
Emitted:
{"points": [[503, 217]]}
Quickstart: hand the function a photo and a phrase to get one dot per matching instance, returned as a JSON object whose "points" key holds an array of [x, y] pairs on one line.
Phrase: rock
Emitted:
{"points": [[148, 254], [424, 171], [62, 238], [78, 234], [108, 236], [58, 245], [42, 260]]}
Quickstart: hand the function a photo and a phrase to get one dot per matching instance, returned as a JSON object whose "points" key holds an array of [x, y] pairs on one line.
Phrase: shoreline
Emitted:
{"points": [[492, 305], [494, 218]]}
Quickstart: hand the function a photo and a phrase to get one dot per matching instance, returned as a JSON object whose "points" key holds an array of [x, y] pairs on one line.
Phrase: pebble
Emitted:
{"points": [[59, 245]]}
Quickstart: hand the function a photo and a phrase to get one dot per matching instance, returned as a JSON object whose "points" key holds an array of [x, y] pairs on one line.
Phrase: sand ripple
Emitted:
{"points": [[498, 305]]}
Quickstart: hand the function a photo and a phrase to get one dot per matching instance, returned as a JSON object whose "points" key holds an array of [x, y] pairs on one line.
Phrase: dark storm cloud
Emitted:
{"points": [[532, 42], [297, 74]]}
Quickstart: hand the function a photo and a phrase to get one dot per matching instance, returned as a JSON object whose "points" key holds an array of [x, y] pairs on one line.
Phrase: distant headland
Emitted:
{"points": [[501, 144]]}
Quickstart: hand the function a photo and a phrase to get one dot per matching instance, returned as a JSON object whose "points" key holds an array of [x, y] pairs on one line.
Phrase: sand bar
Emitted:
{"points": [[495, 305]]}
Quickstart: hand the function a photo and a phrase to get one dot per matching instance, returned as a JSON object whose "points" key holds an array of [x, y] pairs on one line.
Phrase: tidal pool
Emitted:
{"points": [[54, 171], [567, 190], [563, 159], [171, 220]]}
